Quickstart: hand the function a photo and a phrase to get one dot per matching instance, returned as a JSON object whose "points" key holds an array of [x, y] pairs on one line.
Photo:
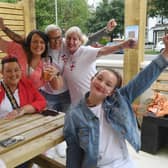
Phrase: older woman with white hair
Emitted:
{"points": [[80, 65]]}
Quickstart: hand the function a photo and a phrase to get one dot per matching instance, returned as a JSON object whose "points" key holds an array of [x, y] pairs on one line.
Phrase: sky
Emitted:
{"points": [[90, 2]]}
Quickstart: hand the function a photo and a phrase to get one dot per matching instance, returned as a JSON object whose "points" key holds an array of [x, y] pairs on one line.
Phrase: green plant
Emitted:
{"points": [[151, 51], [103, 41]]}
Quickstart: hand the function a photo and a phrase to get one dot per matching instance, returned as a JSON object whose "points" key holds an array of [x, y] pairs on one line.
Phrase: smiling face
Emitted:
{"points": [[73, 42], [103, 84], [37, 45], [55, 39], [11, 72]]}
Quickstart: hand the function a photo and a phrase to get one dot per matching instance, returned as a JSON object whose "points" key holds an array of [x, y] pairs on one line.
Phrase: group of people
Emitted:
{"points": [[96, 127]]}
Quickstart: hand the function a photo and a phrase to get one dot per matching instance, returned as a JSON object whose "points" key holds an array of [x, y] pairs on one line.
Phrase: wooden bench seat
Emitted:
{"points": [[154, 130], [45, 162]]}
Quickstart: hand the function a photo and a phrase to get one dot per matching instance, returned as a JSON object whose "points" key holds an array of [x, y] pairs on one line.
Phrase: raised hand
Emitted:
{"points": [[165, 51], [129, 44], [111, 25], [165, 40]]}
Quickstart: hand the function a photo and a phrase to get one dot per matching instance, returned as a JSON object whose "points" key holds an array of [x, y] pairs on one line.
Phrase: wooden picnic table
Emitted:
{"points": [[40, 134]]}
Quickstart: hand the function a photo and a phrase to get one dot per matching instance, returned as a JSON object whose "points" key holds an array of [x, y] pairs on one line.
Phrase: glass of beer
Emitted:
{"points": [[46, 70]]}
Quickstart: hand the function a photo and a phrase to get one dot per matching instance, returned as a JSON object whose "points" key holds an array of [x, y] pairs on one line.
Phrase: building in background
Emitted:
{"points": [[157, 27]]}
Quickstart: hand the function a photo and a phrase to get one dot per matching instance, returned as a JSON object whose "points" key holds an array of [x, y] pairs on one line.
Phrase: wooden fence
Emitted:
{"points": [[20, 17]]}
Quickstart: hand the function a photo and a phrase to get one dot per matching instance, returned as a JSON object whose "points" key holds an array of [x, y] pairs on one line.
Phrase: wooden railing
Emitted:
{"points": [[161, 84]]}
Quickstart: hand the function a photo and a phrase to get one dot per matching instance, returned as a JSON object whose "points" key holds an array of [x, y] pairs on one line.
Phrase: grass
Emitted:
{"points": [[151, 51]]}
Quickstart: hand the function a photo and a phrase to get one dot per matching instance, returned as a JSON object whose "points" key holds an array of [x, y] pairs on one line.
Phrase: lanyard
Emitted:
{"points": [[10, 96]]}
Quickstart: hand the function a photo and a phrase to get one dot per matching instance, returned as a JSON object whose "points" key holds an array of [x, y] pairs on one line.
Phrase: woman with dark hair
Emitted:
{"points": [[17, 94], [27, 43], [30, 55]]}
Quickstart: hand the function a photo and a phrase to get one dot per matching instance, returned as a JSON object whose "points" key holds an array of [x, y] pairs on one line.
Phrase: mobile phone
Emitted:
{"points": [[11, 141], [50, 112]]}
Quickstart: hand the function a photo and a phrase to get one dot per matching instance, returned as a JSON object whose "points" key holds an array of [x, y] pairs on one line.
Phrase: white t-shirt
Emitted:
{"points": [[58, 58], [5, 106], [113, 152], [78, 70]]}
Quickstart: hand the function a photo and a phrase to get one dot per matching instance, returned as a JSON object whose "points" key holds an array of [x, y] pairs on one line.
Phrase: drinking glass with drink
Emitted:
{"points": [[47, 70]]}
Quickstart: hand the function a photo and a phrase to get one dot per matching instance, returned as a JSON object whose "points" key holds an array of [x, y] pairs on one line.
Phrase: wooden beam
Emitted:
{"points": [[29, 15], [135, 14], [46, 162], [10, 5], [10, 16]]}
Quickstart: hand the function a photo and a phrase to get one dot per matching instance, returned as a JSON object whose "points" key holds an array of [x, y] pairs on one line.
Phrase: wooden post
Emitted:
{"points": [[135, 14], [29, 15]]}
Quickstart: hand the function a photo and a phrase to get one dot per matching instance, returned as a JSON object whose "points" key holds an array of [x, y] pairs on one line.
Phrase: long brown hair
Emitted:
{"points": [[28, 42]]}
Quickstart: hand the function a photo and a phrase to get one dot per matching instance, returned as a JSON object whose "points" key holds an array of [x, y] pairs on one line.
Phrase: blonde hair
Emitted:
{"points": [[75, 29]]}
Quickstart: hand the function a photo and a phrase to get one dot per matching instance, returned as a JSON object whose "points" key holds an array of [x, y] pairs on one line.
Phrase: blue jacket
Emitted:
{"points": [[81, 129]]}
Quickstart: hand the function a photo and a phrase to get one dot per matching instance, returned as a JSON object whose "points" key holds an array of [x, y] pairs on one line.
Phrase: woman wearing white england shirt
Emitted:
{"points": [[80, 65]]}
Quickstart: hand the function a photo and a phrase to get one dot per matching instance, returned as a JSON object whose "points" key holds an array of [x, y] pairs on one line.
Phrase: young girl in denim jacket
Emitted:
{"points": [[96, 129]]}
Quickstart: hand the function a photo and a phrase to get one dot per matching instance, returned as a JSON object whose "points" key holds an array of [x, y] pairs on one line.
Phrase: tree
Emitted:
{"points": [[45, 13], [158, 7], [104, 12], [70, 13], [9, 1], [73, 12]]}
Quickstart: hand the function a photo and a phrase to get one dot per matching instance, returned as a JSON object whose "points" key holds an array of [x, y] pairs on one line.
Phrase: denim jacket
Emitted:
{"points": [[81, 129]]}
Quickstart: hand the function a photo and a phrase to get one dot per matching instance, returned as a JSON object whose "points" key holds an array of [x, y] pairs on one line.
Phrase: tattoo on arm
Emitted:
{"points": [[14, 36]]}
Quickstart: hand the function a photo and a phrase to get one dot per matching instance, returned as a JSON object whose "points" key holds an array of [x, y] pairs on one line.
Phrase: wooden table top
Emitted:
{"points": [[40, 134]]}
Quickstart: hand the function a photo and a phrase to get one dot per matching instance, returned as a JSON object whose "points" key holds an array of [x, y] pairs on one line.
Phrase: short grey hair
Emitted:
{"points": [[52, 27], [75, 29]]}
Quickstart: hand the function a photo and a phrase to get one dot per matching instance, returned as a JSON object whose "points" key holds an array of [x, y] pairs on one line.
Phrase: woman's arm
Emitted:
{"points": [[110, 49], [12, 35], [100, 33], [147, 76], [20, 111]]}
